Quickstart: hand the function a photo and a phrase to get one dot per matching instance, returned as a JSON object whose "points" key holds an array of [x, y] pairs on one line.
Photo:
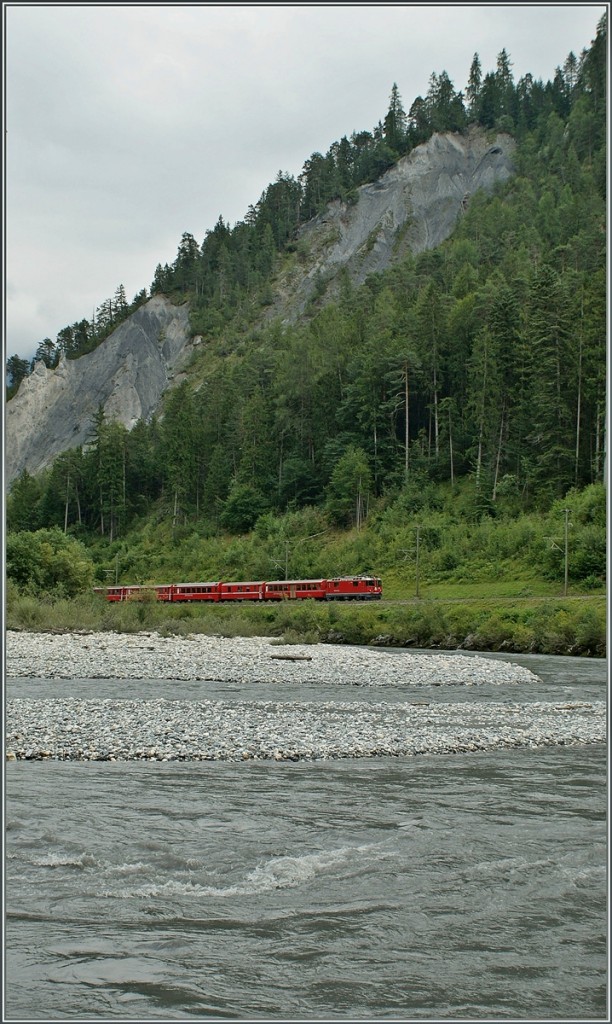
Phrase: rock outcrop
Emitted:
{"points": [[413, 207], [127, 374]]}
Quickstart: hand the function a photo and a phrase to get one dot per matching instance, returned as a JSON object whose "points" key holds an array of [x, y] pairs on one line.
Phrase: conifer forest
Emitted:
{"points": [[462, 389]]}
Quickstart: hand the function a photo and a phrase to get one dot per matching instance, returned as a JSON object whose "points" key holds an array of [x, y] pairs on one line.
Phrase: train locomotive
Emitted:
{"points": [[339, 588]]}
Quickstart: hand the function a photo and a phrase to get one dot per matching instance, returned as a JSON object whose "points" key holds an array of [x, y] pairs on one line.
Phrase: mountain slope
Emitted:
{"points": [[413, 206]]}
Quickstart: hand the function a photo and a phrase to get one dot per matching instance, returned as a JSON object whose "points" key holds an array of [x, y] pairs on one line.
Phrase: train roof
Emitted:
{"points": [[361, 576], [205, 583], [243, 583], [290, 583]]}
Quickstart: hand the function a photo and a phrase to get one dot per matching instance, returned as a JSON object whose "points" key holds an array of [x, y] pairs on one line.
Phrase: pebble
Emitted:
{"points": [[177, 730]]}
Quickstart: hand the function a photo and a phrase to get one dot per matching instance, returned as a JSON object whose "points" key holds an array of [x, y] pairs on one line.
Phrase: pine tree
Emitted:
{"points": [[472, 91], [46, 353], [17, 369], [395, 122], [120, 304]]}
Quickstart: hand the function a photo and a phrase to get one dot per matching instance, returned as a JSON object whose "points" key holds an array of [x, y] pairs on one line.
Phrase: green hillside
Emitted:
{"points": [[458, 397]]}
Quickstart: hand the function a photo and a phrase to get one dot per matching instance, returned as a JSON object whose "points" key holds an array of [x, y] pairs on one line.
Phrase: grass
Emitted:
{"points": [[546, 625], [477, 591]]}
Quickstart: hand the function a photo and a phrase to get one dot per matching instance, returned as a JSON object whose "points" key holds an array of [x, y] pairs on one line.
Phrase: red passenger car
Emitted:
{"points": [[242, 591], [279, 590], [195, 592]]}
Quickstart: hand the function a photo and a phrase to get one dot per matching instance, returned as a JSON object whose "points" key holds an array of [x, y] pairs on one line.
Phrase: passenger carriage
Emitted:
{"points": [[195, 592], [289, 590]]}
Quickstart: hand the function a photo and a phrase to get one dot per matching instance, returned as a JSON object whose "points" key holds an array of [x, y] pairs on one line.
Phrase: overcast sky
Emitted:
{"points": [[127, 125]]}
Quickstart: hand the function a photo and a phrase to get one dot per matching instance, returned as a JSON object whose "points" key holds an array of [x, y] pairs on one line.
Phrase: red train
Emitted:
{"points": [[341, 588]]}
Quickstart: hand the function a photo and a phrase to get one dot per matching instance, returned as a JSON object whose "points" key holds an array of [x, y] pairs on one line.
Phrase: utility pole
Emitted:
{"points": [[418, 530]]}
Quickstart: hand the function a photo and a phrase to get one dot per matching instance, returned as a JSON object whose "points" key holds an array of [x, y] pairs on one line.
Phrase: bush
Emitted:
{"points": [[243, 508], [48, 561], [590, 633]]}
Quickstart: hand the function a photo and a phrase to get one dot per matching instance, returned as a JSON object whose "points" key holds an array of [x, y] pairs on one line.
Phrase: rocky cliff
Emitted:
{"points": [[127, 374], [414, 206]]}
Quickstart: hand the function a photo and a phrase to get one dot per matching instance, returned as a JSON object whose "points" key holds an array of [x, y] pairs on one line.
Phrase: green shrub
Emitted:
{"points": [[522, 638], [590, 632], [48, 561]]}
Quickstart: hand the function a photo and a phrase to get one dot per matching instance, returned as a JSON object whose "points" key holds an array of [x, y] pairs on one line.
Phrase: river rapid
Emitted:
{"points": [[459, 886]]}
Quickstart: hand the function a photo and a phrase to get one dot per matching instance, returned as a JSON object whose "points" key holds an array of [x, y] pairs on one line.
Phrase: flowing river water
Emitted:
{"points": [[464, 886]]}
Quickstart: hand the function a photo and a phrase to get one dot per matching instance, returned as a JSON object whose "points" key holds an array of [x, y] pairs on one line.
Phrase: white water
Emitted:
{"points": [[464, 886]]}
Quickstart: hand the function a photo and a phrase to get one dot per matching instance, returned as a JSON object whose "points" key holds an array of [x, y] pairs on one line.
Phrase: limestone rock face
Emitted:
{"points": [[413, 207], [127, 374]]}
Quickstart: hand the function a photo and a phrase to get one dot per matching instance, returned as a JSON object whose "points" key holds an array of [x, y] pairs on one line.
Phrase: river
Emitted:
{"points": [[463, 886]]}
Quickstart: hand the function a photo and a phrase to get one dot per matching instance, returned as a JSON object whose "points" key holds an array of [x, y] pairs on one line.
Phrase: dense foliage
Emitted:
{"points": [[48, 561], [483, 360]]}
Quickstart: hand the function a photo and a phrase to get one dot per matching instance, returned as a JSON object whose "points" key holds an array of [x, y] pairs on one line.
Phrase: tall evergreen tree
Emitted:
{"points": [[472, 92], [17, 369], [395, 122]]}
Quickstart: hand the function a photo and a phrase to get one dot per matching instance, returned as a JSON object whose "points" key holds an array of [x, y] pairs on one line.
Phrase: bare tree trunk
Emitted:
{"points": [[436, 420], [450, 446], [498, 456], [479, 459], [407, 424], [578, 411], [600, 442], [175, 512], [280, 465], [66, 504], [482, 417]]}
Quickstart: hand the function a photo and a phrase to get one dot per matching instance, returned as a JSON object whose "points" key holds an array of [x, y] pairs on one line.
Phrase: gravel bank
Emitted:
{"points": [[176, 730], [256, 659]]}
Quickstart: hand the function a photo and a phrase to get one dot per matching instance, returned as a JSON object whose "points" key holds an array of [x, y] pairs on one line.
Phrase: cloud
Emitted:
{"points": [[130, 124]]}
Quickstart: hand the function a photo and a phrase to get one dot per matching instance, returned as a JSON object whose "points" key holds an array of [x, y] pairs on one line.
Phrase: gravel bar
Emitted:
{"points": [[236, 660], [176, 730]]}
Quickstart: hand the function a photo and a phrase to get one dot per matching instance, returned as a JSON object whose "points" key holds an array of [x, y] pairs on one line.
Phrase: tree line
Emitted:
{"points": [[230, 271]]}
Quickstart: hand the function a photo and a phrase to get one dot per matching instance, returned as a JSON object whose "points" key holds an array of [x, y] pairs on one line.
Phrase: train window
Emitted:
{"points": [[355, 583]]}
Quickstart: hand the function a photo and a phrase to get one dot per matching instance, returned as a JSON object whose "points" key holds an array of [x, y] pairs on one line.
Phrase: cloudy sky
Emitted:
{"points": [[127, 125]]}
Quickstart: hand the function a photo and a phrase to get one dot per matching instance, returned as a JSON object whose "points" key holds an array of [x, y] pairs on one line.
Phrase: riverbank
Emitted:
{"points": [[573, 626], [166, 729]]}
